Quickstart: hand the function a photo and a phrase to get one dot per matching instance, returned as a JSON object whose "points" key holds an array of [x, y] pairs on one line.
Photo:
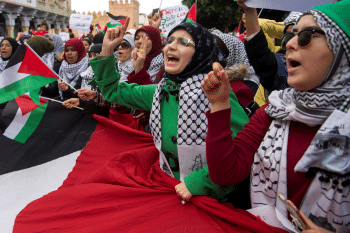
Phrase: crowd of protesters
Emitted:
{"points": [[248, 109]]}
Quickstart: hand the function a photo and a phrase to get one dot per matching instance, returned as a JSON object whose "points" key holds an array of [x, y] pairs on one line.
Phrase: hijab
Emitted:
{"points": [[78, 46], [57, 42], [206, 52], [154, 36], [3, 61], [126, 67], [98, 38]]}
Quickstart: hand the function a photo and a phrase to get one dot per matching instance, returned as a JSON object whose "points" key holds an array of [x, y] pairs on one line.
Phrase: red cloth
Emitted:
{"points": [[154, 36], [78, 45], [141, 78], [243, 92], [125, 119], [117, 186], [238, 154], [40, 33]]}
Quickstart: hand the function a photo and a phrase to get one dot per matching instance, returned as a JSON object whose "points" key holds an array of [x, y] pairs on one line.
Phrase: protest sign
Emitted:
{"points": [[171, 17], [287, 5], [80, 22], [64, 36]]}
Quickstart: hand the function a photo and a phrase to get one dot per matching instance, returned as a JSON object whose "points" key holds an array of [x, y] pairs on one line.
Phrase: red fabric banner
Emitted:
{"points": [[118, 186]]}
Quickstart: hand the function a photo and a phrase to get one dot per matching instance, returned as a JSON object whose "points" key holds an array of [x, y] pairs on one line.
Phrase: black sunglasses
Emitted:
{"points": [[304, 36], [124, 45]]}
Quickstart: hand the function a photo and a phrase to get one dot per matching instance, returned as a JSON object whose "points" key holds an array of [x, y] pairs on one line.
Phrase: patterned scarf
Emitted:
{"points": [[192, 123], [238, 54], [87, 76], [155, 65], [125, 68], [312, 107], [3, 64]]}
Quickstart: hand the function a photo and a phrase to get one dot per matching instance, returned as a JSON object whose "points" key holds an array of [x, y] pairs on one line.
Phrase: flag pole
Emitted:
{"points": [[58, 101], [161, 1], [260, 12]]}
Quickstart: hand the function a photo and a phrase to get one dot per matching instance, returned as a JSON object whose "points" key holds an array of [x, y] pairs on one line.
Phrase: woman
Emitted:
{"points": [[50, 58], [87, 44], [75, 62], [8, 48], [125, 66], [274, 142], [154, 57]]}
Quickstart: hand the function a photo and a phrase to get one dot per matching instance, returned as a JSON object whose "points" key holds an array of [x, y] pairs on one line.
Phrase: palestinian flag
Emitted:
{"points": [[30, 111], [192, 14], [29, 171], [24, 72], [115, 21]]}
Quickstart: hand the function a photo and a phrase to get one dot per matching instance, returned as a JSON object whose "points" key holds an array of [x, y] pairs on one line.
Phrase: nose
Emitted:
{"points": [[292, 43]]}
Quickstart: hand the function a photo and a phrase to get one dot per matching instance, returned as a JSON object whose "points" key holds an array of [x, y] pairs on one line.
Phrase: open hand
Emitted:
{"points": [[71, 103], [139, 55], [183, 191], [113, 38], [216, 86], [86, 94]]}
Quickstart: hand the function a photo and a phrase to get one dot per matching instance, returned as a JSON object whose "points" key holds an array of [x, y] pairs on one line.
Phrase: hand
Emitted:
{"points": [[113, 38], [216, 86], [63, 86], [141, 115], [71, 103], [183, 191], [313, 226], [157, 19], [139, 55], [86, 94], [150, 21]]}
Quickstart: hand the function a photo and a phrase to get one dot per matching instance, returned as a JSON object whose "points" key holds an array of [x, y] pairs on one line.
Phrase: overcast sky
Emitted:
{"points": [[146, 6]]}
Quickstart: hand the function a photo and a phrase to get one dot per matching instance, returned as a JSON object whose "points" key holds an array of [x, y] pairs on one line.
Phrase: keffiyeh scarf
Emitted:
{"points": [[3, 64], [125, 68]]}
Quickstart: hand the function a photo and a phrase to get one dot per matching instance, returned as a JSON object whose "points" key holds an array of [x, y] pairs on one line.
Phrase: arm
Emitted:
{"points": [[130, 95], [141, 78]]}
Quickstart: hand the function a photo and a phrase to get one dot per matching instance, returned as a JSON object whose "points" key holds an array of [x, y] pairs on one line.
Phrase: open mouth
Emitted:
{"points": [[172, 59], [293, 63]]}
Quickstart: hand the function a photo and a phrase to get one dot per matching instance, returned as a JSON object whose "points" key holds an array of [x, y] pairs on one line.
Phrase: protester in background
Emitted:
{"points": [[7, 49], [87, 44], [272, 145], [51, 58], [44, 29], [75, 62]]}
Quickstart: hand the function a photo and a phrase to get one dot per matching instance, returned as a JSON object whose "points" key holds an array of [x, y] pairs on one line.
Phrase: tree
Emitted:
{"points": [[221, 14]]}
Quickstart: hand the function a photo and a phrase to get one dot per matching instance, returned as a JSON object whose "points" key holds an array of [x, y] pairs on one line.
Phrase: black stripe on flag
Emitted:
{"points": [[18, 56], [61, 132]]}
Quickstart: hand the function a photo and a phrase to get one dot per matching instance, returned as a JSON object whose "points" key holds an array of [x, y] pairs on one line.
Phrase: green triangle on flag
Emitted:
{"points": [[25, 72], [192, 14]]}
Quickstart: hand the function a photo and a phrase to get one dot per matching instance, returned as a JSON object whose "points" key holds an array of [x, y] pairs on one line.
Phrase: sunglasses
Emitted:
{"points": [[304, 36], [179, 40], [124, 45]]}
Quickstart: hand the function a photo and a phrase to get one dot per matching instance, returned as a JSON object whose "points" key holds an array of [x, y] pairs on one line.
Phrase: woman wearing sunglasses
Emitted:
{"points": [[274, 148], [125, 66]]}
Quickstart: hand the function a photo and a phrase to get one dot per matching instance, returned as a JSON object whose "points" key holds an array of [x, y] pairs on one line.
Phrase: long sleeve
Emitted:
{"points": [[229, 161], [141, 78], [272, 29], [129, 95]]}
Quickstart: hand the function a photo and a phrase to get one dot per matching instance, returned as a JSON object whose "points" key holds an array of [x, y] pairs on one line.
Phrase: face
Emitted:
{"points": [[6, 49], [71, 55], [86, 45], [92, 55], [43, 28], [308, 65], [124, 53], [177, 56], [138, 41]]}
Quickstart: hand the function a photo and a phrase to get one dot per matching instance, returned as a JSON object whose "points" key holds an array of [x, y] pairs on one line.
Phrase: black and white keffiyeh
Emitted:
{"points": [[70, 73], [49, 58], [313, 108], [87, 76], [3, 64], [155, 65], [125, 68], [192, 123]]}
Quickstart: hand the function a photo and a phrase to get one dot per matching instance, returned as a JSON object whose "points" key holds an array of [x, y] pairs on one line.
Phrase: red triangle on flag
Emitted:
{"points": [[33, 65], [122, 21], [192, 14], [26, 104]]}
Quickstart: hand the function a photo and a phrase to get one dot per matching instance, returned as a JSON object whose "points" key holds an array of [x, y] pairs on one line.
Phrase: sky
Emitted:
{"points": [[146, 6]]}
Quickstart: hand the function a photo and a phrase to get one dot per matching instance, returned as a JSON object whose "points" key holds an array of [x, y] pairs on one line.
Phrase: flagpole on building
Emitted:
{"points": [[58, 101]]}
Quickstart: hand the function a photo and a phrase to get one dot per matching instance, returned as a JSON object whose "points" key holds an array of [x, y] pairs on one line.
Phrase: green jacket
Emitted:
{"points": [[141, 97]]}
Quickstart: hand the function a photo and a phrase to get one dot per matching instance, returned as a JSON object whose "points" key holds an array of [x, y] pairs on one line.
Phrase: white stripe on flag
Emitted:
{"points": [[16, 125], [19, 188], [11, 75]]}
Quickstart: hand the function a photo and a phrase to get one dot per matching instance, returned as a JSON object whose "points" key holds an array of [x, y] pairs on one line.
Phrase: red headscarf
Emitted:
{"points": [[78, 45], [154, 35]]}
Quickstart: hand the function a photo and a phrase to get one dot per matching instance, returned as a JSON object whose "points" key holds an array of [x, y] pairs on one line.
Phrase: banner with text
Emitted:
{"points": [[171, 17], [80, 22], [287, 5], [64, 36]]}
